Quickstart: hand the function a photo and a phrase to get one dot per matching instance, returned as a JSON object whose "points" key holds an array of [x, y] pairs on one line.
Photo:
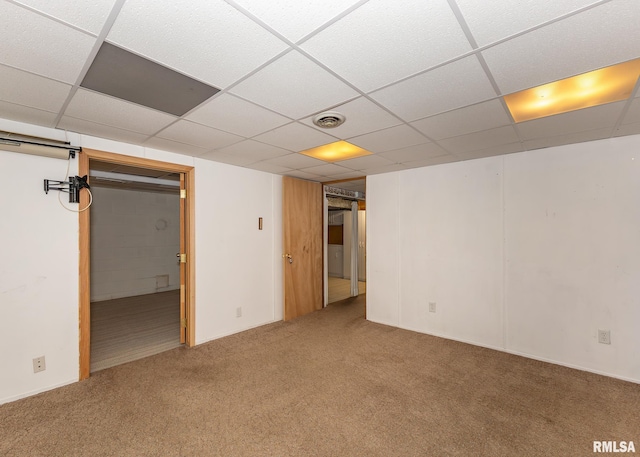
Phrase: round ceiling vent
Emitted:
{"points": [[329, 119]]}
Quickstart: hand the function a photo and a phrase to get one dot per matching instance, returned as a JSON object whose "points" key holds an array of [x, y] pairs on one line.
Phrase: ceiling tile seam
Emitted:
{"points": [[113, 14], [29, 72], [487, 46], [52, 18], [626, 107], [28, 106], [483, 63], [104, 125]]}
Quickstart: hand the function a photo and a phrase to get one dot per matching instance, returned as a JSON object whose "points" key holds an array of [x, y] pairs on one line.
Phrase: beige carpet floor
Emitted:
{"points": [[327, 384]]}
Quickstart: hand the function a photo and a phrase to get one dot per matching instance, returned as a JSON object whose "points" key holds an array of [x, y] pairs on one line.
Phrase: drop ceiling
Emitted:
{"points": [[419, 81]]}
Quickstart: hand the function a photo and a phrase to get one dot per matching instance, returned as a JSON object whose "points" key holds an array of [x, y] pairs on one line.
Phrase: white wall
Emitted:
{"points": [[236, 265], [530, 253], [135, 236], [38, 277]]}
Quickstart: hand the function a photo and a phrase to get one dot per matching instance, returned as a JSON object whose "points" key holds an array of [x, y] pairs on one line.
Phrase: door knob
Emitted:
{"points": [[288, 257]]}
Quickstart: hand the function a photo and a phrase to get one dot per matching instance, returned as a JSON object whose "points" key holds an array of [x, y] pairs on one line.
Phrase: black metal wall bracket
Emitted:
{"points": [[72, 187]]}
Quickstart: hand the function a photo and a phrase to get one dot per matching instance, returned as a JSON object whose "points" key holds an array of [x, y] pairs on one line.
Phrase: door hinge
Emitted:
{"points": [[182, 258], [183, 193], [183, 322]]}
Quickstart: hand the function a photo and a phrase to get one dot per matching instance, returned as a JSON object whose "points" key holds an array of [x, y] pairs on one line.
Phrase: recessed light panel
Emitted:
{"points": [[607, 85], [127, 76], [335, 152]]}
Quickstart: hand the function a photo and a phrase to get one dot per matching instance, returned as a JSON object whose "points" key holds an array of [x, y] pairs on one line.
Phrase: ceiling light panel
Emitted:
{"points": [[117, 113], [541, 56], [234, 44], [39, 45], [295, 20], [498, 19], [127, 76], [229, 113], [308, 87], [30, 90], [382, 41], [336, 151], [606, 85], [437, 91], [296, 161], [482, 116], [89, 16]]}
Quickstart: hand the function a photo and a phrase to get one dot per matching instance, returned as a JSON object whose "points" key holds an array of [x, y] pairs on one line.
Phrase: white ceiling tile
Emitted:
{"points": [[389, 139], [483, 116], [89, 16], [575, 121], [100, 130], [480, 140], [31, 90], [235, 115], [295, 137], [328, 169], [270, 168], [25, 114], [198, 135], [176, 34], [572, 46], [498, 19], [362, 116], [295, 20], [43, 46], [117, 113], [382, 41], [413, 153], [254, 150], [362, 163], [296, 161], [385, 169], [349, 175], [432, 161], [175, 146], [576, 137], [302, 175], [437, 90], [493, 151], [633, 114], [294, 86], [230, 159], [628, 129]]}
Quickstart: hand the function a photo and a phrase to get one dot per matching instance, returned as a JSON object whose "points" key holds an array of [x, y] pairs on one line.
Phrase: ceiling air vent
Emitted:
{"points": [[329, 120]]}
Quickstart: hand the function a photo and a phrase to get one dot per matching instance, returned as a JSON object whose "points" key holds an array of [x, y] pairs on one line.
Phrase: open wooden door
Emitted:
{"points": [[302, 245]]}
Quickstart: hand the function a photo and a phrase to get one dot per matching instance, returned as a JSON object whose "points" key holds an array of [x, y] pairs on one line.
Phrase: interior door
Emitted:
{"points": [[302, 245]]}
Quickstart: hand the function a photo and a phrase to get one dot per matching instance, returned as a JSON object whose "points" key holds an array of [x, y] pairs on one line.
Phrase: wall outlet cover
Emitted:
{"points": [[604, 336], [432, 307]]}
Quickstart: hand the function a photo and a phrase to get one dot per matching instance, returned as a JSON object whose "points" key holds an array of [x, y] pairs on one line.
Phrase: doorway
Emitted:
{"points": [[345, 240], [132, 311]]}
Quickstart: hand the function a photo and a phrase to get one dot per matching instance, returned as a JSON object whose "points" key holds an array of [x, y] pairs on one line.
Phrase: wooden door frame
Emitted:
{"points": [[85, 240]]}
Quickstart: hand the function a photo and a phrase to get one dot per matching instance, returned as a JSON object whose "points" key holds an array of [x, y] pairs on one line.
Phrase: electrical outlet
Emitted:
{"points": [[432, 307], [604, 336], [39, 365], [239, 311]]}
